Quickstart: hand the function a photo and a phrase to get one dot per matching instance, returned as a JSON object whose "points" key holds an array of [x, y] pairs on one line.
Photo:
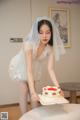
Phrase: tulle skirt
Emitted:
{"points": [[18, 68]]}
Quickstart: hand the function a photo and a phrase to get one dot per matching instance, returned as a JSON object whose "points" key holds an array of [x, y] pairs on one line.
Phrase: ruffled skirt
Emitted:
{"points": [[18, 68]]}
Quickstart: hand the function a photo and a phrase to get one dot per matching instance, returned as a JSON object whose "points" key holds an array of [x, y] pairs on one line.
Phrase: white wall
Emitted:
{"points": [[71, 61], [15, 21]]}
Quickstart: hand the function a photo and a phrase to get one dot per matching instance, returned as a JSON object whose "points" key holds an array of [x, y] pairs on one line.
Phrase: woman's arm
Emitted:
{"points": [[28, 50], [51, 69], [31, 83], [28, 55]]}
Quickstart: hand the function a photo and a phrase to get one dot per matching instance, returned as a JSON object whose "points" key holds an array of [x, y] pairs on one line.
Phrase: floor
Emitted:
{"points": [[13, 111]]}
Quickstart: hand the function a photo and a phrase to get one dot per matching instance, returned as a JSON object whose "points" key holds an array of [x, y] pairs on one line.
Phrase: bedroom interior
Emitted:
{"points": [[16, 18]]}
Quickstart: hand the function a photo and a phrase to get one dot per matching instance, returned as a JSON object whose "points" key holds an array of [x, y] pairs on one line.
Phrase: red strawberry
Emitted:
{"points": [[46, 93], [52, 89], [53, 93], [44, 88]]}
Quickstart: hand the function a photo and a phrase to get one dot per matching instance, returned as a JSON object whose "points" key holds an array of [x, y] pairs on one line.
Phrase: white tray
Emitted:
{"points": [[44, 100]]}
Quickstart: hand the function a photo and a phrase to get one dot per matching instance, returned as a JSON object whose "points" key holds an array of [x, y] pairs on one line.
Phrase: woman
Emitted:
{"points": [[26, 66]]}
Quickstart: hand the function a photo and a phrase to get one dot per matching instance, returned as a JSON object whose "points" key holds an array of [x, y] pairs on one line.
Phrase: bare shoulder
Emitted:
{"points": [[27, 46]]}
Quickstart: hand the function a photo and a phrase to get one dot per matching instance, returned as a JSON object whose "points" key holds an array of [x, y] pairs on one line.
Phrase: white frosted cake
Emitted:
{"points": [[51, 95]]}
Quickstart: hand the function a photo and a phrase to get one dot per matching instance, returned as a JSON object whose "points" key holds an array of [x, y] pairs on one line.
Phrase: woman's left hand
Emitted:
{"points": [[62, 93]]}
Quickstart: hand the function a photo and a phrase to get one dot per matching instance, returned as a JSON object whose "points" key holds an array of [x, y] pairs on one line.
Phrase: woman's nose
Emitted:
{"points": [[44, 35]]}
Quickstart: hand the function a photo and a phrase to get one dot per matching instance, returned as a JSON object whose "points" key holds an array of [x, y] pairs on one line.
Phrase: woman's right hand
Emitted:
{"points": [[34, 97]]}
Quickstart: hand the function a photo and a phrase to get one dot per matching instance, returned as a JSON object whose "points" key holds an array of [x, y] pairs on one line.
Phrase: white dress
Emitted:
{"points": [[18, 64]]}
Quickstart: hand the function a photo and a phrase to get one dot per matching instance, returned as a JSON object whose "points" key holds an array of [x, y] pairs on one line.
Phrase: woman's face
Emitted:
{"points": [[45, 34]]}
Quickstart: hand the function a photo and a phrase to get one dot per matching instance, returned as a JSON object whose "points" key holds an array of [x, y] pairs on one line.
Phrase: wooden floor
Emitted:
{"points": [[14, 110]]}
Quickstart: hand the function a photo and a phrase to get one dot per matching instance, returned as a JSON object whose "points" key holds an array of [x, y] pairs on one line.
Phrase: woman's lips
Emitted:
{"points": [[44, 39]]}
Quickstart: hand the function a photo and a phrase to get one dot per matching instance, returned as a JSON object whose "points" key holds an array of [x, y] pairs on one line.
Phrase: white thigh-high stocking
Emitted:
{"points": [[23, 97]]}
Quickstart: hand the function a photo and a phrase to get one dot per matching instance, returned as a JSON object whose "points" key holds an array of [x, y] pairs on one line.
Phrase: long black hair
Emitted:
{"points": [[48, 23]]}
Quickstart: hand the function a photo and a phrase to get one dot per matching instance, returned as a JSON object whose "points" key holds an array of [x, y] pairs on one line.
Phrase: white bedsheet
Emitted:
{"points": [[54, 112]]}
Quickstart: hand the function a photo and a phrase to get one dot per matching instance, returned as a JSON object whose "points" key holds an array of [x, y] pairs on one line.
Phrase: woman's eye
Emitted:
{"points": [[40, 33], [48, 33], [45, 33]]}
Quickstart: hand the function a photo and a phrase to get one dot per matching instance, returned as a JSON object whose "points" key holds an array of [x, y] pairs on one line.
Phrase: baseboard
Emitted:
{"points": [[10, 105]]}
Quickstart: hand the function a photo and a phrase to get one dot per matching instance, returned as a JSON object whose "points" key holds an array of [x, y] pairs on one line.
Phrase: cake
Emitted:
{"points": [[51, 91], [51, 95]]}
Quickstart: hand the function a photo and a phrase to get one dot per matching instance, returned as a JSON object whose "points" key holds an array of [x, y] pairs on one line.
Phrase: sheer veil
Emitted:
{"points": [[58, 45]]}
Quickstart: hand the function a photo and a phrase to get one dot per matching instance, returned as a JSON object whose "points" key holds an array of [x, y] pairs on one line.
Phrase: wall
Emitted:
{"points": [[15, 21]]}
